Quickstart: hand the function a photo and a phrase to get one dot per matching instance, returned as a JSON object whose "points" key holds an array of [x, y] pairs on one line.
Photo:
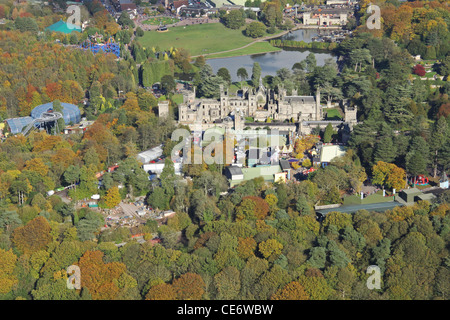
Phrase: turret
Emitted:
{"points": [[318, 110]]}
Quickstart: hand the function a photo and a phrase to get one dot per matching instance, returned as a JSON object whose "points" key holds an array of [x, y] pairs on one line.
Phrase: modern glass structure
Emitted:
{"points": [[17, 124], [71, 112]]}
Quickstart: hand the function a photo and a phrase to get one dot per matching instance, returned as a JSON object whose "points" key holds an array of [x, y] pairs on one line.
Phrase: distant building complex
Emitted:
{"points": [[262, 105]]}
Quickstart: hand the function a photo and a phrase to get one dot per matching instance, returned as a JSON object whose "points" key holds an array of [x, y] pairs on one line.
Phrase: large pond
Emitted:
{"points": [[272, 61]]}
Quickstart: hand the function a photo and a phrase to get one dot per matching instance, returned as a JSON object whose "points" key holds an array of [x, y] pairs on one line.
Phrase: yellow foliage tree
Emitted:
{"points": [[292, 291], [112, 197], [7, 264], [389, 175], [270, 248]]}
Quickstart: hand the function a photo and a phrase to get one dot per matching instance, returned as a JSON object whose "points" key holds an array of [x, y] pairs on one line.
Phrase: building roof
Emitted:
{"points": [[127, 4], [17, 124], [426, 197], [179, 3], [151, 154], [234, 170], [63, 27], [284, 164], [411, 191], [302, 99], [328, 153], [266, 172], [71, 113]]}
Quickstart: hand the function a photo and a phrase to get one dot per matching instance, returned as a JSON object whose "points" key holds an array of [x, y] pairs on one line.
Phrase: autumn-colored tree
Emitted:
{"points": [[400, 213], [99, 278], [292, 291], [270, 249], [389, 175], [272, 201], [252, 207], [112, 197], [162, 291], [316, 287], [7, 264], [419, 70], [246, 247], [339, 219], [444, 110], [37, 165], [34, 236], [131, 103], [304, 143], [189, 286]]}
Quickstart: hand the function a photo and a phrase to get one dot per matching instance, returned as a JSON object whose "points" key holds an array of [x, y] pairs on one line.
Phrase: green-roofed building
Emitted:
{"points": [[64, 27], [268, 173]]}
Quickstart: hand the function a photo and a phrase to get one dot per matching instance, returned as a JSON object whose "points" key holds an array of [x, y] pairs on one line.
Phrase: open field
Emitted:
{"points": [[203, 39]]}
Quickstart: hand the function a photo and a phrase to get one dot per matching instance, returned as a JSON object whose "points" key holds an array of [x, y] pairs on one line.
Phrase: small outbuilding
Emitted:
{"points": [[234, 173], [408, 195]]}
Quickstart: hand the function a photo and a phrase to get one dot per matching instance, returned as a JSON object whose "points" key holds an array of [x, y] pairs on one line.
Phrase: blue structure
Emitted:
{"points": [[17, 124], [109, 47], [71, 114]]}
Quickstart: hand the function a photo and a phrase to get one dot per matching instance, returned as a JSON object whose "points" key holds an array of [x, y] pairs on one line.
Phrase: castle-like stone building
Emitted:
{"points": [[286, 112], [260, 104]]}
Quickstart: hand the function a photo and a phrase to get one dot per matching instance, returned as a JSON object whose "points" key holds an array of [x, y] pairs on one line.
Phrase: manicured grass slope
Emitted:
{"points": [[198, 39], [258, 47]]}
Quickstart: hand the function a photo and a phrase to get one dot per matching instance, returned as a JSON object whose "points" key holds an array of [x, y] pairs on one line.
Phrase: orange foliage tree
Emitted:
{"points": [[246, 247], [32, 237], [100, 278], [252, 207], [161, 291], [189, 286], [292, 291]]}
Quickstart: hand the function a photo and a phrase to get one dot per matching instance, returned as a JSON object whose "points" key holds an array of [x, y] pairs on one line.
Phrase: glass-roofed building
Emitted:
{"points": [[17, 124], [71, 112], [71, 115]]}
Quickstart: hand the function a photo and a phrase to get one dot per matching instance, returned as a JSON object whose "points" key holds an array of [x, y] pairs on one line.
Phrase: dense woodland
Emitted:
{"points": [[258, 241]]}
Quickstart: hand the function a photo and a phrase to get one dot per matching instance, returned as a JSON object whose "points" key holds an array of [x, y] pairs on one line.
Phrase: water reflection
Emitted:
{"points": [[305, 34], [269, 62], [273, 61]]}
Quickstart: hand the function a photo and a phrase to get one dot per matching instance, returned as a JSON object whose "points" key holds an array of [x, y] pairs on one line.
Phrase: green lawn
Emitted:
{"points": [[199, 39], [258, 47], [160, 20], [177, 98], [333, 114]]}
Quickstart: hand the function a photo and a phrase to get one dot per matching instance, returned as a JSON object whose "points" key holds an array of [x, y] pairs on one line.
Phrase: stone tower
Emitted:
{"points": [[163, 109], [318, 109], [350, 114]]}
